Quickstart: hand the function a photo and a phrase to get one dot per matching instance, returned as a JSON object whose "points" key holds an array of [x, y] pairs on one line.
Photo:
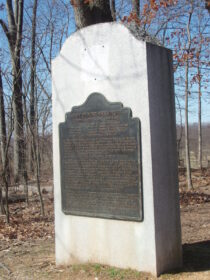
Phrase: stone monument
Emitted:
{"points": [[114, 152]]}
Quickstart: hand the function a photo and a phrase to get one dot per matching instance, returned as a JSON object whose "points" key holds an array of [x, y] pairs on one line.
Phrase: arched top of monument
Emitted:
{"points": [[112, 29], [97, 31]]}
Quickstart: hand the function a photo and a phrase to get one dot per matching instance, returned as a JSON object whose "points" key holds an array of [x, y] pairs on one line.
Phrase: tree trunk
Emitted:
{"points": [[32, 92], [96, 11], [2, 138], [19, 146], [136, 7], [3, 134], [6, 187], [36, 152], [2, 209], [24, 173], [187, 151], [4, 142], [179, 139], [37, 156], [13, 33], [199, 122], [37, 171], [113, 10]]}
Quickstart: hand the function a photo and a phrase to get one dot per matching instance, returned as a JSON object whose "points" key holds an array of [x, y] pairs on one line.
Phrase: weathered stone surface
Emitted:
{"points": [[140, 34]]}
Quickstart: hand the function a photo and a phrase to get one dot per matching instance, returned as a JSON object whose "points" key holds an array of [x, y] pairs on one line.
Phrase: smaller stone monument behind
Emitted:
{"points": [[114, 152]]}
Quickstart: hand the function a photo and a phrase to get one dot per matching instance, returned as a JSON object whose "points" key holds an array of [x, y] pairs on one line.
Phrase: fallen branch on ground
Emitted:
{"points": [[4, 267]]}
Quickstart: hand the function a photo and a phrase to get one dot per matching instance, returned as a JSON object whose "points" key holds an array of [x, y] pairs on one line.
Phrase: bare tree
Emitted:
{"points": [[33, 75], [36, 155], [13, 32], [4, 144], [202, 46], [199, 112], [187, 151]]}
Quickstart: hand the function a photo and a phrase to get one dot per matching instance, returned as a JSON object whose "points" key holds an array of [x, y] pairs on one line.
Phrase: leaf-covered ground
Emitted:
{"points": [[27, 243], [26, 222]]}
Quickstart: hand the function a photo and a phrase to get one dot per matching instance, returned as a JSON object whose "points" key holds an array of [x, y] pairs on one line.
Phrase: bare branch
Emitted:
{"points": [[16, 12], [19, 23], [45, 60], [11, 19], [5, 28]]}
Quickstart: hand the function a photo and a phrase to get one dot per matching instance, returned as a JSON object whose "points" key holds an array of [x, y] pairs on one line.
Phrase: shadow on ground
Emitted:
{"points": [[196, 256]]}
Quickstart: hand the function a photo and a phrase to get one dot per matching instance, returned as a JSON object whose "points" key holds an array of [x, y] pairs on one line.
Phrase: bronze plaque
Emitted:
{"points": [[101, 161]]}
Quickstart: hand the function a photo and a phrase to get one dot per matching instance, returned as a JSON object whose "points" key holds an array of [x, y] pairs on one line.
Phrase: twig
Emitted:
{"points": [[7, 269]]}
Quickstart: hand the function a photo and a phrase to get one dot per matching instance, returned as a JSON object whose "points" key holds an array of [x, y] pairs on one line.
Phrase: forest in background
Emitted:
{"points": [[193, 141], [32, 33]]}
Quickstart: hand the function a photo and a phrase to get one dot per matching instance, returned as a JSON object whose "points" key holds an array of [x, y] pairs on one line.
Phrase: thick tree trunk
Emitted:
{"points": [[113, 10], [19, 146], [96, 11]]}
